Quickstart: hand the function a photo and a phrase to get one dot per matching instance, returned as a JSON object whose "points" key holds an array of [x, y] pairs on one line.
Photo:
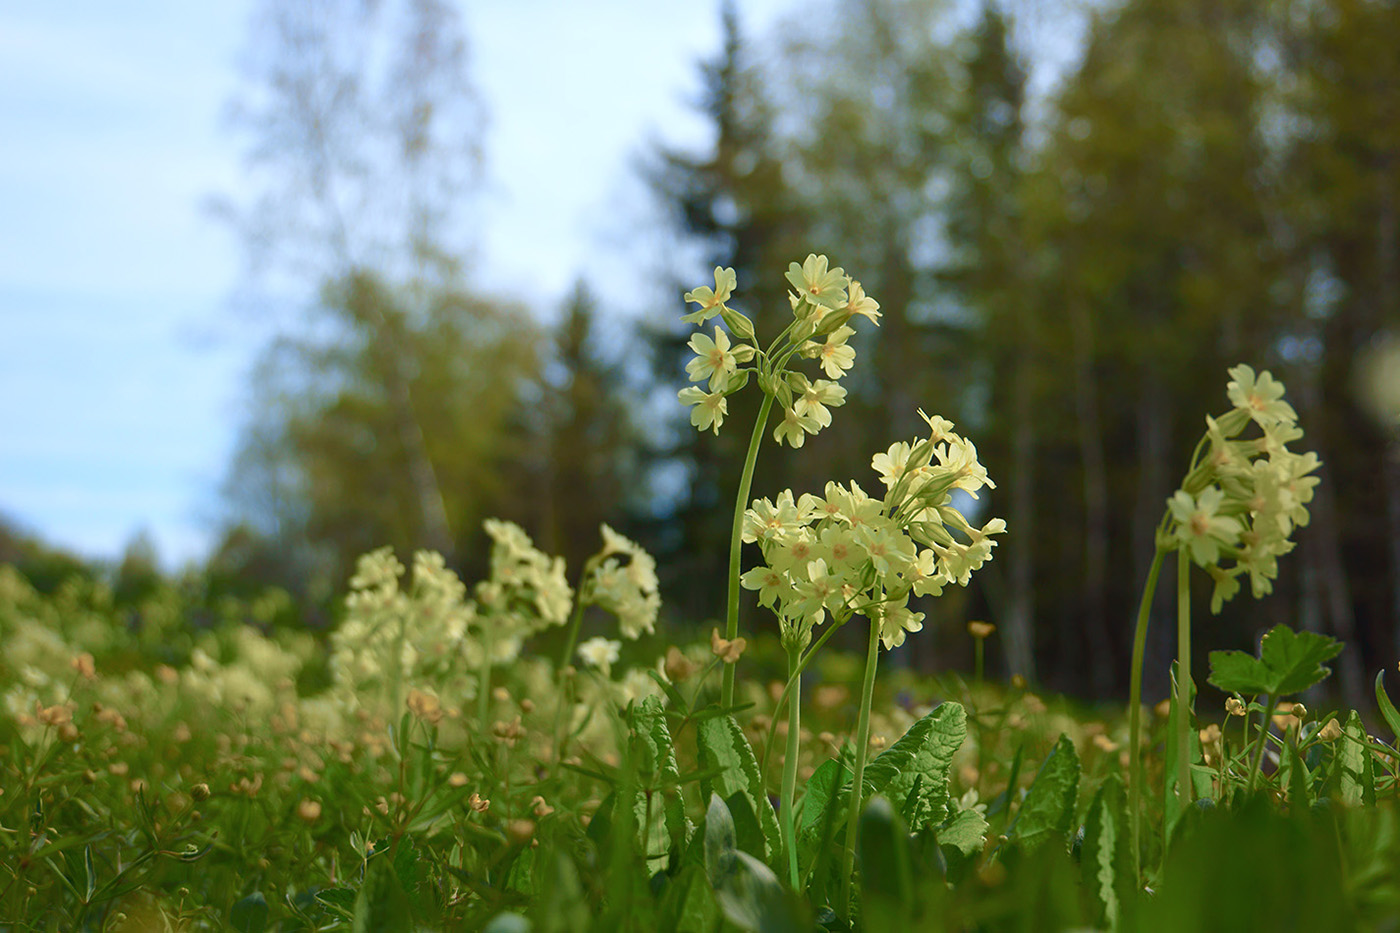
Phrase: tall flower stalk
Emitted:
{"points": [[1240, 501], [824, 301]]}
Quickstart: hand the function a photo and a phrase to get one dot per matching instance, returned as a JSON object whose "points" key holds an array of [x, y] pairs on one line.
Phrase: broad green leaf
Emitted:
{"points": [[914, 770], [689, 904], [1289, 662], [821, 791], [1106, 857], [820, 803], [722, 745], [965, 831], [753, 899], [1388, 711], [250, 914], [720, 841], [1356, 780], [1048, 808]]}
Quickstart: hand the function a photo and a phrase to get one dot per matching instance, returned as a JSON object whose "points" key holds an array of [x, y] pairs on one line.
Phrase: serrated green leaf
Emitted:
{"points": [[722, 745], [1106, 856], [916, 767], [250, 914], [965, 831], [409, 870], [1048, 808], [1388, 711], [654, 759], [1356, 780], [338, 900], [1238, 672], [1289, 662]]}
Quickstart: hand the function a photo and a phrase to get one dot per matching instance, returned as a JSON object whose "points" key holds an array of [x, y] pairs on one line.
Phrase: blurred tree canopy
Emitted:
{"points": [[1066, 261], [1071, 273]]}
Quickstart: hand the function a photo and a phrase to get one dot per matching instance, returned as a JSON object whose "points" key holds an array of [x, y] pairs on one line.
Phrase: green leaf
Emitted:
{"points": [[819, 796], [1388, 711], [1289, 662], [965, 831], [654, 759], [1356, 771], [338, 900], [381, 905], [409, 871], [914, 770], [753, 899], [1299, 782], [1048, 808], [722, 745], [720, 841], [689, 904], [1106, 859], [250, 914], [886, 873]]}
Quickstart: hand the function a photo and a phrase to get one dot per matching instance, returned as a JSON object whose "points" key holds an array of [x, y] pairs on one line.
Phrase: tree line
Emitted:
{"points": [[1066, 273]]}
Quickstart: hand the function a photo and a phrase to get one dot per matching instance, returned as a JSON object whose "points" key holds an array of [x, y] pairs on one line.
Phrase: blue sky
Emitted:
{"points": [[122, 364]]}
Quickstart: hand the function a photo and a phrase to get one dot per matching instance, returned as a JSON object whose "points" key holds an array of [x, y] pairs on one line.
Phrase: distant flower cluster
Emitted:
{"points": [[1244, 496]]}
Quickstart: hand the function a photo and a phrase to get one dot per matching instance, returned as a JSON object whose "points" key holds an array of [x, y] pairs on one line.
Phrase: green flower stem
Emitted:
{"points": [[867, 693], [1136, 778], [741, 502], [789, 790], [1257, 771], [793, 679], [1183, 676]]}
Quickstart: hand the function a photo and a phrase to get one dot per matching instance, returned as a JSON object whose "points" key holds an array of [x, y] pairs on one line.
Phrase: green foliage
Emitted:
{"points": [[725, 752], [1106, 856], [914, 770], [1356, 767], [1289, 662], [1048, 808]]}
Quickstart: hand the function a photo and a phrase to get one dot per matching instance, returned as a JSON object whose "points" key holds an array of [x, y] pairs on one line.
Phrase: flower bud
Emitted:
{"points": [[1234, 706], [739, 325], [1330, 732]]}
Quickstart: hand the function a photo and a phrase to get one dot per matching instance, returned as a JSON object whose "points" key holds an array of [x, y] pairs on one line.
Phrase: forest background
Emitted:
{"points": [[1065, 267]]}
